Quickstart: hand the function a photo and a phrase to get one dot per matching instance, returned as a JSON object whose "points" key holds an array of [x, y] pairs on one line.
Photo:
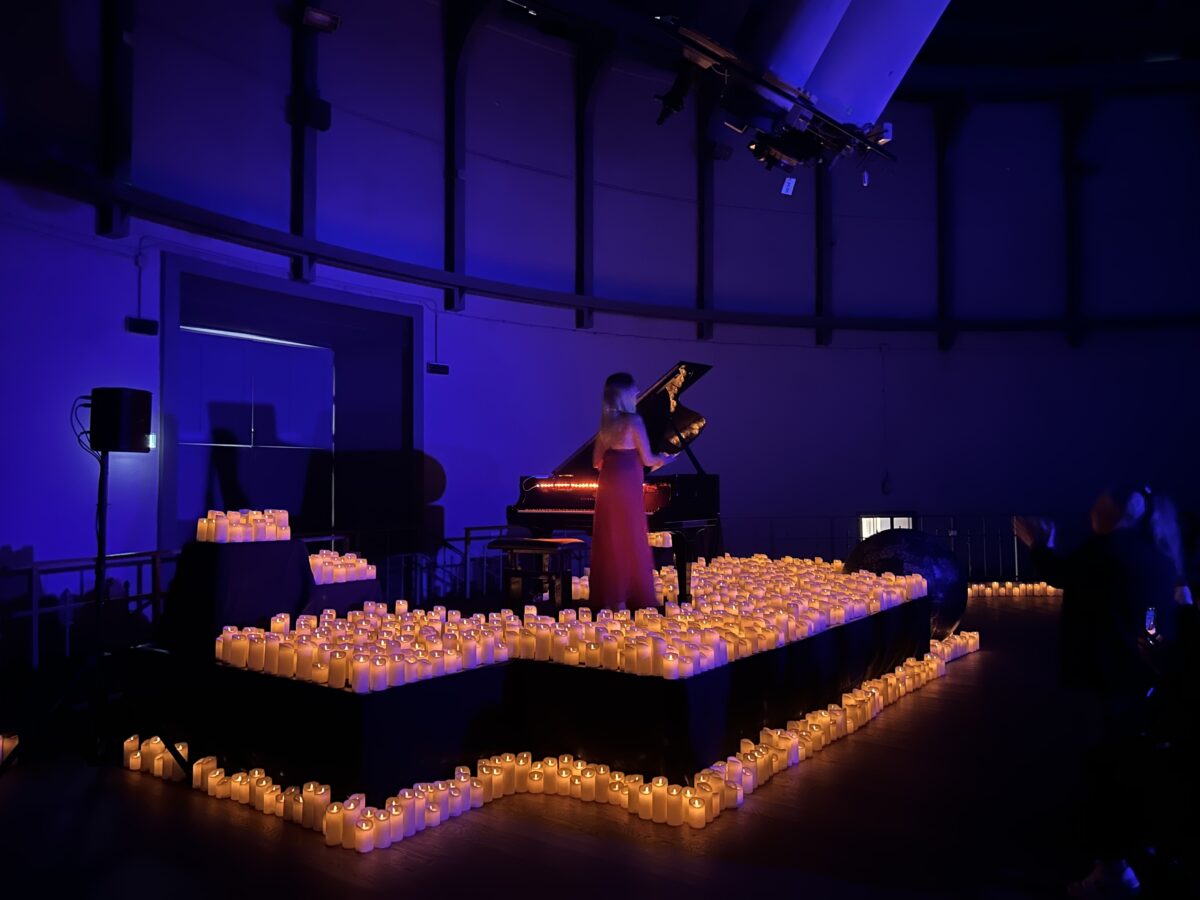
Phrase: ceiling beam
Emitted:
{"points": [[86, 187]]}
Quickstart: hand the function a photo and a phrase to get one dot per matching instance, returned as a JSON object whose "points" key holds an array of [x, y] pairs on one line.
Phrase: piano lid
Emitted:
{"points": [[665, 417]]}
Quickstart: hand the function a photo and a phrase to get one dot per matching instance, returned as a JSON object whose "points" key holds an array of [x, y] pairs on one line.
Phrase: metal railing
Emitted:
{"points": [[65, 588]]}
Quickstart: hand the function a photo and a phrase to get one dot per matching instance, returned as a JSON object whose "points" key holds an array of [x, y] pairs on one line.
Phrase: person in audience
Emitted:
{"points": [[622, 567], [1118, 599]]}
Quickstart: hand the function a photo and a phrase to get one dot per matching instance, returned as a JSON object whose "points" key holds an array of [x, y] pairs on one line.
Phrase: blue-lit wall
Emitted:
{"points": [[1000, 423]]}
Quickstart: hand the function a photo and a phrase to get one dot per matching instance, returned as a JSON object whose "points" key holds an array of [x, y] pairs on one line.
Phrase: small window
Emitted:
{"points": [[870, 525]]}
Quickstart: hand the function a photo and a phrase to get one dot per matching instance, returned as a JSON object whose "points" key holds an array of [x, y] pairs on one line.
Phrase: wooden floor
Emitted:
{"points": [[964, 789]]}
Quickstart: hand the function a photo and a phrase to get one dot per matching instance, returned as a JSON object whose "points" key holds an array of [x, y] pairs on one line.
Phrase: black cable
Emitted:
{"points": [[81, 432]]}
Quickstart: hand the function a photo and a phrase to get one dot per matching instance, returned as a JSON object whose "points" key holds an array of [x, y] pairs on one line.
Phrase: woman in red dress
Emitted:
{"points": [[622, 569]]}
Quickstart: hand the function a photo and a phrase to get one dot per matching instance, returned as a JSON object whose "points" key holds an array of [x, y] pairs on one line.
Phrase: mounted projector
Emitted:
{"points": [[809, 78]]}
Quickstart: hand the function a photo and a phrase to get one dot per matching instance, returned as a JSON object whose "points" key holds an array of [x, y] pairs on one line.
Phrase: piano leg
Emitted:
{"points": [[682, 547]]}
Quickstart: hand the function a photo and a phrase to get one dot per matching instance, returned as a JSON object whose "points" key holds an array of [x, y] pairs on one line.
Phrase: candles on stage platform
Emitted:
{"points": [[241, 526]]}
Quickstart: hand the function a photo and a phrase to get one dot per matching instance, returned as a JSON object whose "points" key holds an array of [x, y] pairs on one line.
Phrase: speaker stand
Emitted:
{"points": [[102, 551]]}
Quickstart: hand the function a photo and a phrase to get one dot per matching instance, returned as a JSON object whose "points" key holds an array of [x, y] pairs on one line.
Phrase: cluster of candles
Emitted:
{"points": [[239, 526], [660, 539], [331, 567], [152, 757], [955, 645], [8, 743], [355, 825], [741, 607], [1013, 589]]}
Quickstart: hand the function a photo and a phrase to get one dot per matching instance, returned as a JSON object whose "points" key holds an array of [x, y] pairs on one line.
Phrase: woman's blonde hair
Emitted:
{"points": [[617, 399]]}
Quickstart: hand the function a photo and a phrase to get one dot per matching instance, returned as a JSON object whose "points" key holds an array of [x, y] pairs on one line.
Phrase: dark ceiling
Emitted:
{"points": [[972, 32]]}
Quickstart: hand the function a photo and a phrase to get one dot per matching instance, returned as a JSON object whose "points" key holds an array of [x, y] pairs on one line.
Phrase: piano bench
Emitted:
{"points": [[552, 573]]}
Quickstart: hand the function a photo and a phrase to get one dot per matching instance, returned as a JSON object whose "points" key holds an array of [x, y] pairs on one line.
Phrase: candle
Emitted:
{"points": [[337, 669], [588, 786], [674, 810], [239, 790], [696, 816], [477, 793], [261, 787], [508, 763], [351, 814], [364, 835], [614, 792], [645, 804], [131, 746], [379, 673], [333, 824], [360, 673], [670, 666], [212, 780], [407, 803], [200, 771], [536, 782], [659, 792], [224, 789], [287, 658]]}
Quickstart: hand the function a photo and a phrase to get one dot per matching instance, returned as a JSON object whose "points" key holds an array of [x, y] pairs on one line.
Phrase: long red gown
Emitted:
{"points": [[622, 570]]}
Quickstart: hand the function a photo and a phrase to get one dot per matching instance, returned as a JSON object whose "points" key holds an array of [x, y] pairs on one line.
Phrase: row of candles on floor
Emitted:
{"points": [[353, 824], [744, 607], [331, 567], [1013, 589], [239, 526]]}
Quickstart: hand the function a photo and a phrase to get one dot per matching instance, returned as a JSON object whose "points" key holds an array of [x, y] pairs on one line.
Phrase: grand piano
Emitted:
{"points": [[687, 505]]}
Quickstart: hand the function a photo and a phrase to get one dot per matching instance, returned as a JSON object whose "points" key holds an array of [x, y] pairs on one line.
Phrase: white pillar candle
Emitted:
{"points": [[406, 801], [351, 815], [674, 805], [364, 835], [613, 793], [240, 788], [266, 800], [645, 803], [263, 789], [224, 789], [420, 810], [508, 764], [131, 746], [212, 779], [659, 793], [396, 814], [337, 669], [670, 666], [587, 790], [287, 659], [378, 678], [360, 673], [592, 656], [238, 651], [332, 825], [200, 770], [696, 816]]}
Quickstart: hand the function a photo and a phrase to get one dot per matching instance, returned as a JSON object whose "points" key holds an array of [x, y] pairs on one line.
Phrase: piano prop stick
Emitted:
{"points": [[687, 505]]}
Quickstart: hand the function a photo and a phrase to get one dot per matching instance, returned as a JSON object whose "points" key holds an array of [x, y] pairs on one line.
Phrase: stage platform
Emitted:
{"points": [[377, 743]]}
